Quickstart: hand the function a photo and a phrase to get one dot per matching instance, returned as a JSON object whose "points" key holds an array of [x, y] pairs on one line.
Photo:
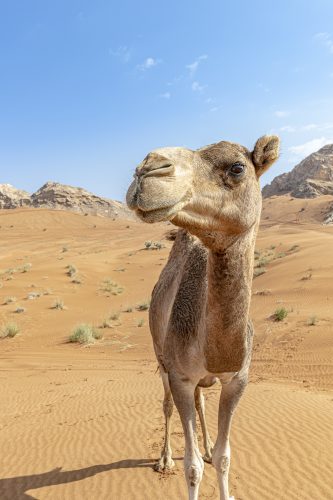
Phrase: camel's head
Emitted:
{"points": [[212, 189]]}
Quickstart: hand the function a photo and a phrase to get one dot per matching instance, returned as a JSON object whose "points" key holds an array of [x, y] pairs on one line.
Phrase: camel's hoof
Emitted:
{"points": [[207, 458], [164, 464]]}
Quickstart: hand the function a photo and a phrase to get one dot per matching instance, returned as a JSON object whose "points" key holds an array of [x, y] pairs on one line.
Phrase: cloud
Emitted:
{"points": [[196, 87], [122, 52], [148, 63], [326, 40], [310, 126], [307, 128], [194, 66], [302, 150], [166, 95], [282, 114], [215, 108], [287, 128]]}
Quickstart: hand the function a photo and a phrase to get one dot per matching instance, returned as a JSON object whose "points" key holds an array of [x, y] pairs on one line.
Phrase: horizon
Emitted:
{"points": [[87, 90], [30, 193]]}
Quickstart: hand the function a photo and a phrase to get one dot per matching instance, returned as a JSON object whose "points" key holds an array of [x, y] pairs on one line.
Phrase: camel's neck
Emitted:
{"points": [[229, 291]]}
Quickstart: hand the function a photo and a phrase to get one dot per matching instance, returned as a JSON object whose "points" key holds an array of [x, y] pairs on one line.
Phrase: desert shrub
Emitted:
{"points": [[262, 262], [9, 330], [71, 270], [58, 304], [306, 277], [34, 295], [281, 255], [106, 323], [114, 316], [77, 280], [19, 310], [64, 249], [313, 320], [258, 271], [141, 323], [280, 314], [128, 309], [85, 334], [9, 300], [153, 245], [26, 267], [111, 286], [143, 306], [263, 292]]}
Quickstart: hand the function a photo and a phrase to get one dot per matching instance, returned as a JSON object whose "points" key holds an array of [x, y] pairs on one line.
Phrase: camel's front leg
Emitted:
{"points": [[165, 462], [229, 399], [183, 395], [200, 407]]}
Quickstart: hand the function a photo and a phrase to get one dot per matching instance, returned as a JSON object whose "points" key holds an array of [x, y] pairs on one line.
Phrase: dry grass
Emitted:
{"points": [[85, 334], [9, 330], [112, 287], [59, 304]]}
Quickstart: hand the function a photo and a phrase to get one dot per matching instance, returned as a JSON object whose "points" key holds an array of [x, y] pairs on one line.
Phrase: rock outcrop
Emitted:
{"points": [[62, 197], [57, 196], [312, 177], [10, 197]]}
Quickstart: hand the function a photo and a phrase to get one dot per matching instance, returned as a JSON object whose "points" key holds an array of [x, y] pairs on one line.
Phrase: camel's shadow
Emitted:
{"points": [[15, 488]]}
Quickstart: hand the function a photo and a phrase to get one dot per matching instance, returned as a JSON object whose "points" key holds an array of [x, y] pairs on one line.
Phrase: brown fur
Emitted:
{"points": [[199, 314]]}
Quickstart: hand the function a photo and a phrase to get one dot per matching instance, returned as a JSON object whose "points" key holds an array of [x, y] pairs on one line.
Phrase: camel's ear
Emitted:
{"points": [[265, 152]]}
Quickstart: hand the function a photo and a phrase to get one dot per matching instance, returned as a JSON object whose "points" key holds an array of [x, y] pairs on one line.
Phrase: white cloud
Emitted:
{"points": [[282, 114], [194, 66], [148, 63], [302, 150], [196, 87], [326, 39], [166, 95], [310, 126], [307, 128], [122, 52], [287, 128], [215, 108]]}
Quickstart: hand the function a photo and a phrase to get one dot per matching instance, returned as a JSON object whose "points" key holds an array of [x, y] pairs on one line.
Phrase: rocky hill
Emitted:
{"points": [[62, 197], [312, 177], [11, 197]]}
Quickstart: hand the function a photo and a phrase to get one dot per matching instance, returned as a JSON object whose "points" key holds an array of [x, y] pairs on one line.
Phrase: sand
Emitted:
{"points": [[85, 422]]}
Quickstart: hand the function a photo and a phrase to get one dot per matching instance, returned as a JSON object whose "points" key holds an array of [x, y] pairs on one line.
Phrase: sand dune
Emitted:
{"points": [[86, 422]]}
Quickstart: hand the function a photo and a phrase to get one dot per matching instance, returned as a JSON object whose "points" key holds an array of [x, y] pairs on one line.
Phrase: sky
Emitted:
{"points": [[87, 89]]}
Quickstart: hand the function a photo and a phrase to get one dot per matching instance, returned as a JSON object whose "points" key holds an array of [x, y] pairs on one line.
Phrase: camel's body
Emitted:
{"points": [[177, 312], [199, 315]]}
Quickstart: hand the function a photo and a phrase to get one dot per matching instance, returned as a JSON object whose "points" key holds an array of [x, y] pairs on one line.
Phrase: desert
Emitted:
{"points": [[85, 420]]}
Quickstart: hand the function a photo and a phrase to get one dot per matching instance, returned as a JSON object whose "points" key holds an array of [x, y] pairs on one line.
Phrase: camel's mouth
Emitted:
{"points": [[161, 214]]}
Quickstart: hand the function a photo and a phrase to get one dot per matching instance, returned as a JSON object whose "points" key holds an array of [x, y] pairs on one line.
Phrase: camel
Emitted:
{"points": [[199, 314]]}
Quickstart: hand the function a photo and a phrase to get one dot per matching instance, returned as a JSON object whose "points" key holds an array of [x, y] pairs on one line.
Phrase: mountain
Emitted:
{"points": [[10, 197], [57, 196], [62, 197], [312, 177]]}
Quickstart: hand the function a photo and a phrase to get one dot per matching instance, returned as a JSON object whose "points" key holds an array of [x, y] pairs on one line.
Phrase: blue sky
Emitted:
{"points": [[87, 89]]}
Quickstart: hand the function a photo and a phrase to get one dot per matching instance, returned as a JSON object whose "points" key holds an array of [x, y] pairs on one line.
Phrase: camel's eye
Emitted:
{"points": [[237, 169]]}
